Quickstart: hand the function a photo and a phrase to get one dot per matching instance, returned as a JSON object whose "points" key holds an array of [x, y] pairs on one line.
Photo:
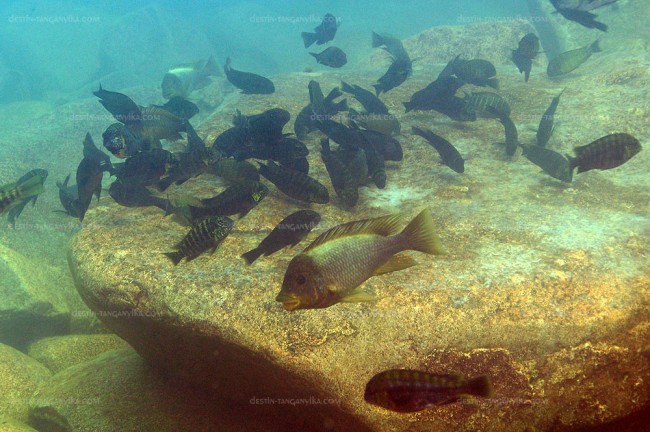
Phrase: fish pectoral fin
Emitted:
{"points": [[358, 295], [395, 263]]}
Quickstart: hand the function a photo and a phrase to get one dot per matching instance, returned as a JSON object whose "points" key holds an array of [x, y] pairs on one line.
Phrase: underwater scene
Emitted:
{"points": [[327, 216]]}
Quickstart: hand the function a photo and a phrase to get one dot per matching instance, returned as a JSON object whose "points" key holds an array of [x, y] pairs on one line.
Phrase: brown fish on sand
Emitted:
{"points": [[405, 390], [331, 269], [607, 152]]}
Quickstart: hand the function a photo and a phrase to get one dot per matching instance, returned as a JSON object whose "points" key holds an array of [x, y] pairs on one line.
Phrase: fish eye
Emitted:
{"points": [[301, 279]]}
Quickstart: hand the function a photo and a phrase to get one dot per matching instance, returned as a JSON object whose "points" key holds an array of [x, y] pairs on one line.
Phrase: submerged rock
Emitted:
{"points": [[20, 377], [61, 352]]}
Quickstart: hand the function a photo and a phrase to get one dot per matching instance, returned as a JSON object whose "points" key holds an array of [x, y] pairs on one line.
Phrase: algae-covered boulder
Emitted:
{"points": [[544, 288], [20, 376], [117, 392], [36, 299], [61, 352]]}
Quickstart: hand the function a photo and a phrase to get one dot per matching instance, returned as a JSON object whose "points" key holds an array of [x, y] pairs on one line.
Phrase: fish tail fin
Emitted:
{"points": [[211, 67], [309, 38], [176, 256], [316, 55], [346, 87], [526, 76], [358, 295], [226, 67], [408, 106], [377, 89], [480, 386], [342, 105], [252, 255], [420, 235], [32, 187], [595, 47]]}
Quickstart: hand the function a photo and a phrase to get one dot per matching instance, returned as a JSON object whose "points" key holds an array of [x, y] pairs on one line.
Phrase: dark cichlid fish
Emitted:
{"points": [[580, 16], [324, 33], [434, 95], [181, 107], [239, 199], [552, 163], [205, 235], [248, 83], [234, 171], [89, 182], [147, 167], [525, 53], [605, 153], [18, 208], [136, 195], [405, 390], [478, 72], [331, 269], [448, 154], [376, 165], [583, 5], [91, 151], [13, 194], [69, 197], [456, 108], [512, 136], [306, 119], [295, 184], [370, 102], [265, 127], [546, 128], [344, 183], [286, 149], [230, 140], [487, 103], [355, 160], [121, 142], [571, 60], [188, 165], [388, 147], [399, 70], [289, 232], [182, 80], [333, 57], [391, 44], [120, 105]]}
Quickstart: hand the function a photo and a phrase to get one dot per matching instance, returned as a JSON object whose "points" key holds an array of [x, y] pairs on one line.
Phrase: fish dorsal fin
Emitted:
{"points": [[385, 226]]}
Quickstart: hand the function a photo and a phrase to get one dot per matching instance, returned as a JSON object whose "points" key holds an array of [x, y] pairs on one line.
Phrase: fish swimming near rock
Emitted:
{"points": [[437, 93], [13, 194], [235, 171], [551, 162], [512, 136], [205, 235], [69, 198], [295, 184], [571, 60], [525, 53], [333, 57], [331, 269], [397, 73], [371, 103], [147, 167], [239, 198], [580, 16], [448, 154], [306, 120], [289, 232], [488, 103], [247, 82], [406, 390], [385, 124], [584, 5], [18, 208], [322, 34], [181, 80], [476, 71], [181, 107], [90, 150], [391, 44], [546, 124], [343, 180], [136, 195], [605, 153], [89, 182]]}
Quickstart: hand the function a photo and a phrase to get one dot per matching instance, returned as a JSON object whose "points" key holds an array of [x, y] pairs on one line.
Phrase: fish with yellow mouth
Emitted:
{"points": [[331, 269]]}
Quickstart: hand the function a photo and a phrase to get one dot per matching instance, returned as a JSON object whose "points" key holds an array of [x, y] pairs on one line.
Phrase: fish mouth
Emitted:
{"points": [[289, 301]]}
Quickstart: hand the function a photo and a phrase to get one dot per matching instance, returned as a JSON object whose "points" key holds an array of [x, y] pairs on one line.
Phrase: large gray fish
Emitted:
{"points": [[183, 79], [448, 154], [331, 269], [552, 163], [247, 82]]}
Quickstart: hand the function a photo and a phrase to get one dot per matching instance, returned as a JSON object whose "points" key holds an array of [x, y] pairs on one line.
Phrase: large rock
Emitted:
{"points": [[36, 299], [21, 376], [545, 287], [118, 392], [61, 352]]}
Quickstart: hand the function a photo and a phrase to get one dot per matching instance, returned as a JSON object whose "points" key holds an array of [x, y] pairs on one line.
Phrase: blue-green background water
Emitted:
{"points": [[49, 48]]}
